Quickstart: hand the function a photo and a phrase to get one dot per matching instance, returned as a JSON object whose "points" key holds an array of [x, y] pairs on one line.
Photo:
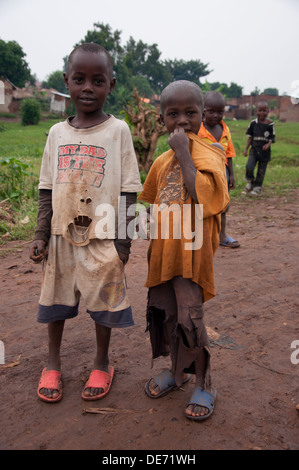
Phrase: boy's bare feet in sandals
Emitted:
{"points": [[162, 383]]}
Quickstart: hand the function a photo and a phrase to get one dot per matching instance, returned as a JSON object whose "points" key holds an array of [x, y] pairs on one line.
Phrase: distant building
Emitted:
{"points": [[11, 96], [283, 108], [59, 102]]}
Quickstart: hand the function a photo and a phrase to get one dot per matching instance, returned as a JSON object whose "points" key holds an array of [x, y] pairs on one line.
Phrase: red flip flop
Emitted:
{"points": [[50, 379], [99, 379]]}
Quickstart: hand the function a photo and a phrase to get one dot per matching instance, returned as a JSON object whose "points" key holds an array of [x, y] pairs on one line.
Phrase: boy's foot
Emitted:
{"points": [[247, 189], [162, 383], [256, 191], [201, 405], [98, 384], [50, 387], [229, 242]]}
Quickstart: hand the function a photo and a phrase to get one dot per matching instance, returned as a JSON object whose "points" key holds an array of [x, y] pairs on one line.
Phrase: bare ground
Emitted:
{"points": [[252, 322]]}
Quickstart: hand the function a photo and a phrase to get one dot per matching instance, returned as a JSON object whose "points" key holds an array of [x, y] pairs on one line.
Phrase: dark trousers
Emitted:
{"points": [[261, 170]]}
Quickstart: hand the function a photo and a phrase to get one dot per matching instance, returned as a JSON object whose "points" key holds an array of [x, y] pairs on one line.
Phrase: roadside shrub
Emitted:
{"points": [[30, 112], [16, 181]]}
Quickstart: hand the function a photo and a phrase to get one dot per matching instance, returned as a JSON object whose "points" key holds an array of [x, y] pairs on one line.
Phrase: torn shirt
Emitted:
{"points": [[87, 170]]}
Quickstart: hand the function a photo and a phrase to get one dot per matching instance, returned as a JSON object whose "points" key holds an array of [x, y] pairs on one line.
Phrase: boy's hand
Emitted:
{"points": [[38, 251], [245, 153], [179, 141], [232, 182], [124, 257], [266, 146]]}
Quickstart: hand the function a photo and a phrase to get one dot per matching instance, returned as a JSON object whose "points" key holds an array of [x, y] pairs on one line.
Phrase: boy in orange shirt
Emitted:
{"points": [[180, 278], [213, 129]]}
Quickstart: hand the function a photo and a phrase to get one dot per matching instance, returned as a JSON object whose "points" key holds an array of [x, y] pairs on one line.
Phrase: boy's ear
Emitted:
{"points": [[162, 119], [65, 80], [112, 85]]}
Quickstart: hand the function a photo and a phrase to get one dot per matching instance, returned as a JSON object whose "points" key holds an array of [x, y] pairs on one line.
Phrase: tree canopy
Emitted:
{"points": [[139, 65], [13, 64]]}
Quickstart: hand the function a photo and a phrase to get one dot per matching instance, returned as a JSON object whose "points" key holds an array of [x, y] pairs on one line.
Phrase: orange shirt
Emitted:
{"points": [[225, 140], [164, 187]]}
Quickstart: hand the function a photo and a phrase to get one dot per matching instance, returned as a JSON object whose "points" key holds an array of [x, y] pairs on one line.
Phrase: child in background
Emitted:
{"points": [[88, 162], [181, 279], [261, 134], [214, 129]]}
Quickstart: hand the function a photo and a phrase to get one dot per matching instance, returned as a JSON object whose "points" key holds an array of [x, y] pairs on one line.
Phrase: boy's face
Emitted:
{"points": [[182, 109], [89, 81], [213, 113], [262, 112]]}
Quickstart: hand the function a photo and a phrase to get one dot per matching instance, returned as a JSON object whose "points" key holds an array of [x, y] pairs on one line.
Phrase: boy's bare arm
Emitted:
{"points": [[126, 216], [249, 142], [232, 183], [38, 248], [179, 142]]}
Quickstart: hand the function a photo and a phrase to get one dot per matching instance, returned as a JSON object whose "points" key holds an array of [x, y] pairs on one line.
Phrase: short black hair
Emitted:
{"points": [[263, 104], [168, 90], [96, 49], [214, 95]]}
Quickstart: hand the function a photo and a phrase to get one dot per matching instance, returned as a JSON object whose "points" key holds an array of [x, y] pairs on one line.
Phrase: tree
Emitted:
{"points": [[146, 129], [191, 70], [232, 91], [256, 92], [55, 80], [12, 63], [271, 91]]}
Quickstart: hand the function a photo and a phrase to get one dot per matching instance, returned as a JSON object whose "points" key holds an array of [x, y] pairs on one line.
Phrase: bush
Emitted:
{"points": [[30, 112]]}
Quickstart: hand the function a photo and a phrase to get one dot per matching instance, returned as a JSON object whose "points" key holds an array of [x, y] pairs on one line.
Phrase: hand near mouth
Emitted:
{"points": [[178, 140]]}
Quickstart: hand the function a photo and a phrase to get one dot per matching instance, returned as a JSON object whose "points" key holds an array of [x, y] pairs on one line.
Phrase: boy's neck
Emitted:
{"points": [[215, 130], [264, 121], [83, 121]]}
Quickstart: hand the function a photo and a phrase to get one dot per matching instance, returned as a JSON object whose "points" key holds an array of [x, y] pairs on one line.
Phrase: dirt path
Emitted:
{"points": [[252, 322]]}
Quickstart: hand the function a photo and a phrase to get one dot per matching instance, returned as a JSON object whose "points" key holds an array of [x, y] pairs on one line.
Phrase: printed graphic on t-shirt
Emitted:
{"points": [[172, 188], [81, 164]]}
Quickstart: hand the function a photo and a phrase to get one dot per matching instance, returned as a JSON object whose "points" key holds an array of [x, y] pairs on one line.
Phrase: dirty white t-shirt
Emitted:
{"points": [[87, 169]]}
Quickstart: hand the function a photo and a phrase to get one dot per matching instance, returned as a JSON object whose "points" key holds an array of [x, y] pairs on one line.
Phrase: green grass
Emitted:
{"points": [[282, 171], [26, 144]]}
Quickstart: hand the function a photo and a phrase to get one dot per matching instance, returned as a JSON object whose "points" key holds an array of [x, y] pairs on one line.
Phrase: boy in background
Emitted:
{"points": [[179, 279], [213, 129], [88, 162], [261, 134]]}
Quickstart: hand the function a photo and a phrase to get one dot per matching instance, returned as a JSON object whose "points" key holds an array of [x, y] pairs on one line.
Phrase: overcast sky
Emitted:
{"points": [[253, 43]]}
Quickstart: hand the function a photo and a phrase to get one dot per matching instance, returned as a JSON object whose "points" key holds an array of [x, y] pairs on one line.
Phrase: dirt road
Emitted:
{"points": [[252, 323]]}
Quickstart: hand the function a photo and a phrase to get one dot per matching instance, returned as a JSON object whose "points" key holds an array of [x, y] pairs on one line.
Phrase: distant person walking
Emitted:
{"points": [[261, 134]]}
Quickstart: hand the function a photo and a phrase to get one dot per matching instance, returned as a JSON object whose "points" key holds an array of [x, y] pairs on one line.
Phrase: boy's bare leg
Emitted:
{"points": [[101, 361], [55, 332], [222, 234]]}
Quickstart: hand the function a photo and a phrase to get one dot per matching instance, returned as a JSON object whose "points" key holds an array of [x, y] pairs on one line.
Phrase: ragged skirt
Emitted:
{"points": [[176, 327]]}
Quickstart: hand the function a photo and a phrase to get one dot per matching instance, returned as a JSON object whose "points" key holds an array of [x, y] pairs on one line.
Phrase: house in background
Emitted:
{"points": [[283, 108], [12, 96], [59, 102]]}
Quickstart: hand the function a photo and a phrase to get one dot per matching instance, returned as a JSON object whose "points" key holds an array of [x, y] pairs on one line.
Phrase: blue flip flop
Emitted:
{"points": [[230, 242], [205, 399], [165, 382]]}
